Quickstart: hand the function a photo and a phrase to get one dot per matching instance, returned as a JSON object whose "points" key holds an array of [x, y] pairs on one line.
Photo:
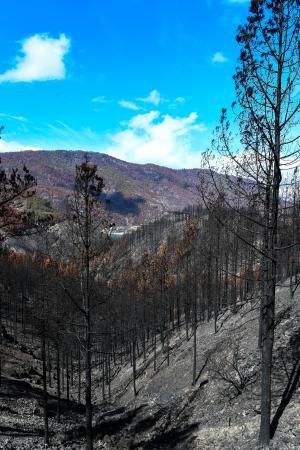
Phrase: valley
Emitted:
{"points": [[150, 225]]}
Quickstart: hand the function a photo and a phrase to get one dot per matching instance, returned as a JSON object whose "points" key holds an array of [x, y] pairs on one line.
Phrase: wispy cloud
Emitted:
{"points": [[176, 103], [63, 130], [218, 57], [62, 135], [41, 59], [12, 117], [153, 98], [129, 105], [139, 103], [100, 99], [159, 139]]}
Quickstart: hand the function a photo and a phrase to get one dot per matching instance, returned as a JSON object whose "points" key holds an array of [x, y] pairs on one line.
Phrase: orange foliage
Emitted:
{"points": [[170, 280], [16, 257], [68, 268], [185, 246]]}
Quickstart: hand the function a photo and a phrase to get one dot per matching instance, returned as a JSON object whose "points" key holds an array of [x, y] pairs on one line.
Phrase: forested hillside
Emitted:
{"points": [[185, 333], [179, 296], [135, 193]]}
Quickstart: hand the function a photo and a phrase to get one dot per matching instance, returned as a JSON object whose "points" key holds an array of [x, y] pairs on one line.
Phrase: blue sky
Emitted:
{"points": [[141, 80]]}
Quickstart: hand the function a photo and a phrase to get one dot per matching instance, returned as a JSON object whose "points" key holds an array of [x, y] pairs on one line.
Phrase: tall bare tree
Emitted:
{"points": [[89, 240], [267, 112]]}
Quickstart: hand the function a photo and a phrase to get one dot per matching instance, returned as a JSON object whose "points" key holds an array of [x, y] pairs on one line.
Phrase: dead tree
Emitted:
{"points": [[267, 112]]}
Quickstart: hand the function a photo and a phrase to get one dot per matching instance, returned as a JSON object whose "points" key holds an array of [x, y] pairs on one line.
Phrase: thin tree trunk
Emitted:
{"points": [[45, 393], [68, 377], [88, 394], [58, 381], [79, 375], [134, 366]]}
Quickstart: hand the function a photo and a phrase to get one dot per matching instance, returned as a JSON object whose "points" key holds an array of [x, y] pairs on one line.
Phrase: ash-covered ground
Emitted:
{"points": [[221, 411]]}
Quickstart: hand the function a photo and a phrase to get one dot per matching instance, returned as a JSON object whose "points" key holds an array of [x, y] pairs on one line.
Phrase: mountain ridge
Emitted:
{"points": [[137, 193]]}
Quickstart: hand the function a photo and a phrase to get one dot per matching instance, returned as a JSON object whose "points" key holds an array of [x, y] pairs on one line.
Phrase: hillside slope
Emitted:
{"points": [[213, 414], [137, 193], [168, 412]]}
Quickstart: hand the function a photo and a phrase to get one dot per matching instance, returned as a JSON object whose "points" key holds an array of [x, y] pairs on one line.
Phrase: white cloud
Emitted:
{"points": [[218, 57], [41, 59], [12, 146], [176, 103], [17, 118], [158, 139], [62, 135], [153, 98], [180, 100], [143, 121], [129, 105], [100, 99]]}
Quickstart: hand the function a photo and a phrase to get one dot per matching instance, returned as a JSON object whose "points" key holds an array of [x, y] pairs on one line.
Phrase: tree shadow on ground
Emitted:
{"points": [[115, 425], [15, 388], [293, 380], [171, 438], [19, 432]]}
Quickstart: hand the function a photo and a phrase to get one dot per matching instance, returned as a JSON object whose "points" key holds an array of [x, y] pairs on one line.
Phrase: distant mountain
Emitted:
{"points": [[137, 193]]}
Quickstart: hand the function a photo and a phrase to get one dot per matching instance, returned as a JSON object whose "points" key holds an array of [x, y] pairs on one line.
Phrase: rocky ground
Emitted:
{"points": [[220, 412]]}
